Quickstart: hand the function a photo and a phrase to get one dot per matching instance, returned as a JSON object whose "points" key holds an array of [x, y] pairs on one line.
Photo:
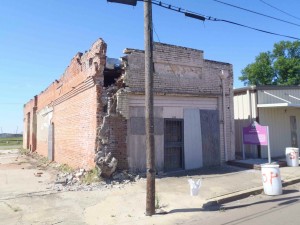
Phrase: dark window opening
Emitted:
{"points": [[104, 109], [90, 62], [111, 76]]}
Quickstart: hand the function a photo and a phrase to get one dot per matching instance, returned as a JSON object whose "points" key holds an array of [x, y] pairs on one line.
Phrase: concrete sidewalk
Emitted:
{"points": [[219, 185], [33, 201]]}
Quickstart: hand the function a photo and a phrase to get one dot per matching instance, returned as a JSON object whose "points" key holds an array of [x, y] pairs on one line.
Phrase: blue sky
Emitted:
{"points": [[39, 38]]}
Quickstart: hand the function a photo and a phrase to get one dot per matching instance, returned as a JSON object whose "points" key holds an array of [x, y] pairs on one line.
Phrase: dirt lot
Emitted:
{"points": [[27, 197]]}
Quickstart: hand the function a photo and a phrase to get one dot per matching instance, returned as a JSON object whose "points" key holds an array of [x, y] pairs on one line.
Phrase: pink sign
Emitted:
{"points": [[255, 134]]}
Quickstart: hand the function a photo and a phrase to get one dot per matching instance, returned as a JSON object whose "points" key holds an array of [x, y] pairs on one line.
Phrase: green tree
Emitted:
{"points": [[279, 67]]}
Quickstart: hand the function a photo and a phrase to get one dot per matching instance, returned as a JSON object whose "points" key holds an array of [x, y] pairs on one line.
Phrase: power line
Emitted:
{"points": [[256, 29], [163, 50], [210, 18], [261, 14], [268, 4], [10, 103]]}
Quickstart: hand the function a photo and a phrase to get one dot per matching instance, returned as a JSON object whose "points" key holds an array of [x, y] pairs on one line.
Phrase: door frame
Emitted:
{"points": [[182, 144], [51, 140]]}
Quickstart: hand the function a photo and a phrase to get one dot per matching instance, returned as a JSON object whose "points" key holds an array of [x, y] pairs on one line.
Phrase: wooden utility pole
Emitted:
{"points": [[150, 151]]}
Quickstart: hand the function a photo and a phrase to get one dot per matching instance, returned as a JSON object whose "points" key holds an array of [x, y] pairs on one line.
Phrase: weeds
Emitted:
{"points": [[91, 176], [65, 168], [44, 160], [157, 202], [24, 151], [14, 208]]}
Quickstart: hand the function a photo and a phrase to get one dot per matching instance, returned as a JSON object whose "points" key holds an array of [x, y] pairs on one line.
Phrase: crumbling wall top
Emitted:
{"points": [[83, 65]]}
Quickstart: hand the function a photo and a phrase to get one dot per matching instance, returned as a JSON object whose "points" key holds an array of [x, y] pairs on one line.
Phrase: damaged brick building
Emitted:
{"points": [[97, 107]]}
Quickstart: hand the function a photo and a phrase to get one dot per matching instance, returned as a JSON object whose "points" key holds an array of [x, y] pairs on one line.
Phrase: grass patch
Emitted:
{"points": [[24, 151], [91, 176], [15, 141], [13, 208], [10, 147], [65, 168], [157, 202], [43, 160]]}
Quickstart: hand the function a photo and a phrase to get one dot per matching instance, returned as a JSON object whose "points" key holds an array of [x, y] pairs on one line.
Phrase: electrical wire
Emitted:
{"points": [[261, 14], [10, 103], [264, 31], [268, 4], [210, 18], [169, 63]]}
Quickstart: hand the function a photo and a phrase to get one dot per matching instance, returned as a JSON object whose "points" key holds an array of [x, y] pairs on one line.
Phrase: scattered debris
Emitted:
{"points": [[68, 179], [74, 181], [107, 164]]}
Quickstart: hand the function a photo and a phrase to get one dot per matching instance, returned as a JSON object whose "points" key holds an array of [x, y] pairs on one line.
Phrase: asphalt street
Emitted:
{"points": [[256, 210]]}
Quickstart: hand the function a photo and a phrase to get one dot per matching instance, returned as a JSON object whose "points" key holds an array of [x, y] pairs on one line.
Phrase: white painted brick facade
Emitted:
{"points": [[182, 71]]}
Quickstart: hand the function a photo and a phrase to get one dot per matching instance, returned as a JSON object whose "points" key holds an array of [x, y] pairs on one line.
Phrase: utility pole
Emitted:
{"points": [[150, 151], [149, 120]]}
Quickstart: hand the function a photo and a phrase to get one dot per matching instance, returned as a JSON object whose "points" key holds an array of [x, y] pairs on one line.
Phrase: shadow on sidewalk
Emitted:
{"points": [[216, 207], [186, 210], [282, 201], [215, 170]]}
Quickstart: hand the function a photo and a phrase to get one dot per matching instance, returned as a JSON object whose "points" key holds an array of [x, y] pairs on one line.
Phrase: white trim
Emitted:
{"points": [[277, 105], [276, 97], [291, 96], [177, 101]]}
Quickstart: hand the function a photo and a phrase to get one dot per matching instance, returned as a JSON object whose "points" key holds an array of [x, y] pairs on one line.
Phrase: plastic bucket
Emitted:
{"points": [[292, 156], [271, 179]]}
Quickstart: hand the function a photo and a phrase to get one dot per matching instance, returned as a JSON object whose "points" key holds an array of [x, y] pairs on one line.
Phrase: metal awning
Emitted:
{"points": [[277, 105]]}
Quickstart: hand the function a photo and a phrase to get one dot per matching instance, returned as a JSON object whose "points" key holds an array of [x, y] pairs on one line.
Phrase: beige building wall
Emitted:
{"points": [[245, 112], [167, 107], [184, 72], [278, 120]]}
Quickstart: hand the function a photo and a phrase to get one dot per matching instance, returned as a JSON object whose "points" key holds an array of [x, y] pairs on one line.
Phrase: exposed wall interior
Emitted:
{"points": [[97, 107]]}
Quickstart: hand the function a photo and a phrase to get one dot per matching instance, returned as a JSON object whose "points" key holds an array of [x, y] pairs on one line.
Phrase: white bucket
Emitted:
{"points": [[271, 179], [292, 156], [194, 186]]}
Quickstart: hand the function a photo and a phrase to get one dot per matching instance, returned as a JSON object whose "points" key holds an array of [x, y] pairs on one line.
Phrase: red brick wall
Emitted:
{"points": [[29, 121], [75, 129], [74, 99], [28, 108]]}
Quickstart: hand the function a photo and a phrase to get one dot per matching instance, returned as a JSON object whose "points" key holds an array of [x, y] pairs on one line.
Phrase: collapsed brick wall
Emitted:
{"points": [[77, 99], [114, 131], [75, 109]]}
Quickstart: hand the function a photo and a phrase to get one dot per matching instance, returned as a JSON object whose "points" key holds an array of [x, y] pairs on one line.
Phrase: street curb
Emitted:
{"points": [[244, 194], [290, 181]]}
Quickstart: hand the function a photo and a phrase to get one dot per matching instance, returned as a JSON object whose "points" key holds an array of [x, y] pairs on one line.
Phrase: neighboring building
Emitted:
{"points": [[273, 106], [98, 106]]}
